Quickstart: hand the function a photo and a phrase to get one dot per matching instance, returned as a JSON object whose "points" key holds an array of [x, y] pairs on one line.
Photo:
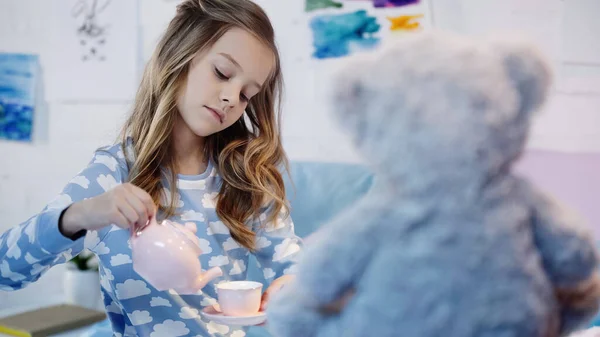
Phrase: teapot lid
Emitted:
{"points": [[184, 232]]}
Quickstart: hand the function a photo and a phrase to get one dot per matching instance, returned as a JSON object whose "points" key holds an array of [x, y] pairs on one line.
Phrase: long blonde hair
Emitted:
{"points": [[248, 157]]}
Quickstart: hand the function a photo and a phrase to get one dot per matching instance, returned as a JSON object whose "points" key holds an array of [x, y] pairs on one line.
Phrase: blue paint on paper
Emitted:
{"points": [[18, 76], [337, 35]]}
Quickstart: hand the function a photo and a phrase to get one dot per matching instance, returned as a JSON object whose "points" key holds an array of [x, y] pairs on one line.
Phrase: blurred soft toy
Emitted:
{"points": [[449, 242]]}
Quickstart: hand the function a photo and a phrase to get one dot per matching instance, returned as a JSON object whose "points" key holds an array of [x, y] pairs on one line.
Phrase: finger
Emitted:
{"points": [[128, 212], [121, 221], [139, 207], [264, 302], [145, 198], [216, 307], [275, 287]]}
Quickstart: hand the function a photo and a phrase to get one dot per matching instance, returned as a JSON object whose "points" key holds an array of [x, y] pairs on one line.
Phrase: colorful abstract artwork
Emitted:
{"points": [[393, 3], [312, 5], [338, 35], [18, 77], [405, 22], [376, 3]]}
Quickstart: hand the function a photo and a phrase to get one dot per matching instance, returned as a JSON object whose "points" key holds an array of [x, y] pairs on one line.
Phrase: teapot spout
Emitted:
{"points": [[206, 277]]}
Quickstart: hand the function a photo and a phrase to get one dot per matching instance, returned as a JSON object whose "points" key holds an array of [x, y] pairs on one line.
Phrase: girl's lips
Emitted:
{"points": [[216, 114]]}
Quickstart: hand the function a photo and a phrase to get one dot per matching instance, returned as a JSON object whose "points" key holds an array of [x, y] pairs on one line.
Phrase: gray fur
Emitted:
{"points": [[449, 242]]}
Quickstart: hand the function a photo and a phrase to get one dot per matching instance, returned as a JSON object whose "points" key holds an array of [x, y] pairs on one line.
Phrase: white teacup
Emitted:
{"points": [[239, 298]]}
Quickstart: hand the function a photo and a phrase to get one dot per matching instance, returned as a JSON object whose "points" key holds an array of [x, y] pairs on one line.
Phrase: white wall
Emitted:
{"points": [[32, 174], [67, 134]]}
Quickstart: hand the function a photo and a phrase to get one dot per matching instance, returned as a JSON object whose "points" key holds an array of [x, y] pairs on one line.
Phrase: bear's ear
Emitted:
{"points": [[347, 84], [349, 89], [529, 71], [347, 93]]}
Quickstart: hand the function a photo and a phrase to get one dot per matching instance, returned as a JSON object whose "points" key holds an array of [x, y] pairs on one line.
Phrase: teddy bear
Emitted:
{"points": [[449, 241]]}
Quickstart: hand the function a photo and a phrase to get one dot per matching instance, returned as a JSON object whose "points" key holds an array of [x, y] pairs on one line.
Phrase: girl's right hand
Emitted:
{"points": [[126, 206]]}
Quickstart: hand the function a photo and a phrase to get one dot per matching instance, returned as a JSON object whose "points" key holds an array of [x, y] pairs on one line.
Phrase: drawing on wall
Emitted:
{"points": [[378, 3], [18, 76], [405, 22], [312, 5], [362, 25], [91, 30], [339, 35], [97, 44], [393, 3]]}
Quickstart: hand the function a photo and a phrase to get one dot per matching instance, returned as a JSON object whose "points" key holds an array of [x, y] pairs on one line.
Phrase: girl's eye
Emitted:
{"points": [[244, 98], [221, 75]]}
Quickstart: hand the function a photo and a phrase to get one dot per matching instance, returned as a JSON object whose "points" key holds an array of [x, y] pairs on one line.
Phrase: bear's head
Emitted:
{"points": [[436, 105]]}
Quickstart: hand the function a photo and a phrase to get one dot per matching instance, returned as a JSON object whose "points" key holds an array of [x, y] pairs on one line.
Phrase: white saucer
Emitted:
{"points": [[218, 317]]}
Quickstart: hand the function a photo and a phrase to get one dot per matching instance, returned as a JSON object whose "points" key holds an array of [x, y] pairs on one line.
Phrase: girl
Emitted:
{"points": [[188, 153]]}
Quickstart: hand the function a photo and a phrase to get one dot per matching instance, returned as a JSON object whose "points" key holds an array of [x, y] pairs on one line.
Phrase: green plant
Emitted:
{"points": [[85, 261]]}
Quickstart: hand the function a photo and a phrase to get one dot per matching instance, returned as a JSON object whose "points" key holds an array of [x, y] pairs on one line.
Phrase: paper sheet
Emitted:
{"points": [[95, 54]]}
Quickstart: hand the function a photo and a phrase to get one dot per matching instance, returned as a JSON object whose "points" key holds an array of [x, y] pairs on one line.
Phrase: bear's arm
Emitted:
{"points": [[569, 258], [566, 246], [332, 261], [336, 256]]}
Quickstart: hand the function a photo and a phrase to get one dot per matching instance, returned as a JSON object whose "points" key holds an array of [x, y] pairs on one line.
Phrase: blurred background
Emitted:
{"points": [[69, 70]]}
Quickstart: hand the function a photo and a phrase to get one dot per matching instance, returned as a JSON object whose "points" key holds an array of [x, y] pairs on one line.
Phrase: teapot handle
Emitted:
{"points": [[137, 230]]}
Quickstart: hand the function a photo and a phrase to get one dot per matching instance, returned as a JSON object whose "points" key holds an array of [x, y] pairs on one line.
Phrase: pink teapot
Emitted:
{"points": [[166, 255]]}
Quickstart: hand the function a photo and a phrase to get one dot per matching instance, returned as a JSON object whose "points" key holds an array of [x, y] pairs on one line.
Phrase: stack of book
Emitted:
{"points": [[49, 321]]}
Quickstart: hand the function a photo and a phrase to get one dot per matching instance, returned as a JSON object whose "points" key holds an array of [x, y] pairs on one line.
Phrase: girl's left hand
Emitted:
{"points": [[275, 286]]}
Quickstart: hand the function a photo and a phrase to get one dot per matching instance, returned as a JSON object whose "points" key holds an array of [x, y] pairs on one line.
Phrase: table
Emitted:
{"points": [[43, 303]]}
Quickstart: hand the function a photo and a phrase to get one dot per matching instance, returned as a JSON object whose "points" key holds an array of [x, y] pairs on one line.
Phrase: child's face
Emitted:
{"points": [[221, 80]]}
